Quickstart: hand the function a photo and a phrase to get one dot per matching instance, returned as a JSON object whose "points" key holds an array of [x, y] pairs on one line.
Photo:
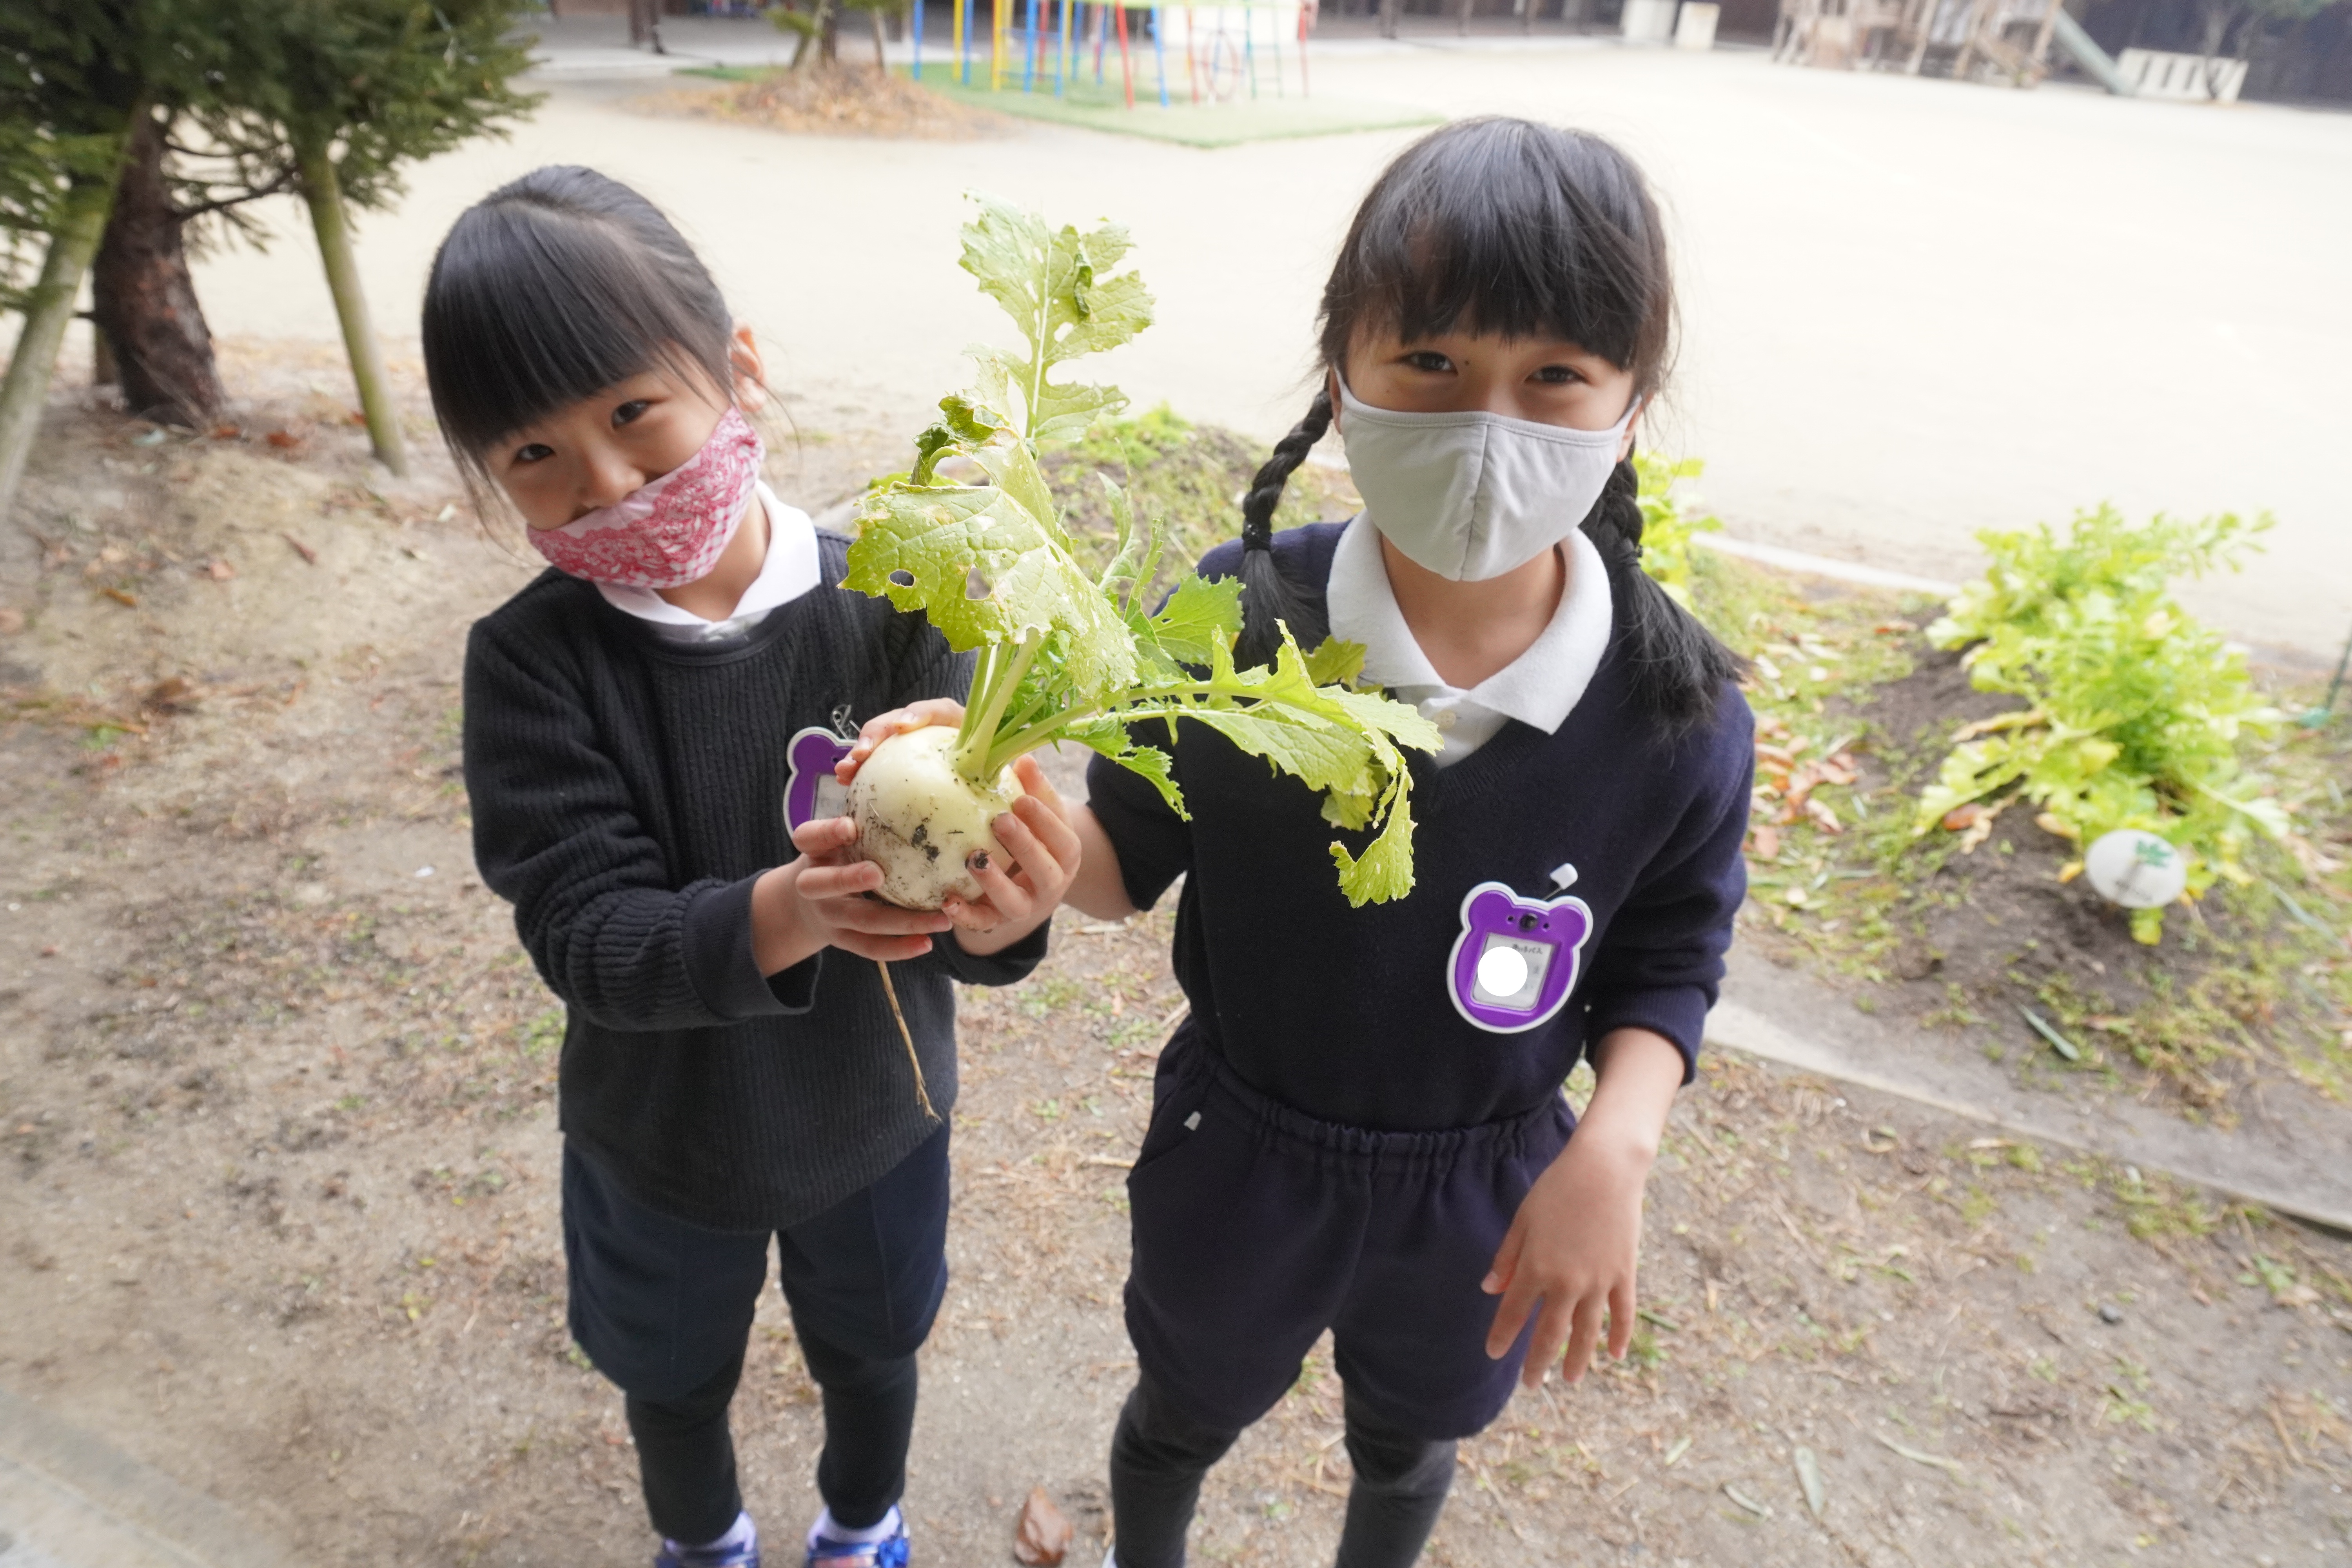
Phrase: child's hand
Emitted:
{"points": [[898, 721], [819, 901], [1045, 849], [1576, 1241], [1573, 1246]]}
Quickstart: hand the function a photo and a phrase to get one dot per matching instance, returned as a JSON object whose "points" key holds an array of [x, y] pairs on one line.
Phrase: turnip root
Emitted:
{"points": [[922, 822]]}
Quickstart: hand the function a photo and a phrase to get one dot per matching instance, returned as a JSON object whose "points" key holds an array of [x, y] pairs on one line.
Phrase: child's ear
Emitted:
{"points": [[743, 358], [1331, 393], [1632, 425]]}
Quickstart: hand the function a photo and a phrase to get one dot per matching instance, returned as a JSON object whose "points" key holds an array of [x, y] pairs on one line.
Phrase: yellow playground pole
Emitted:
{"points": [[996, 44]]}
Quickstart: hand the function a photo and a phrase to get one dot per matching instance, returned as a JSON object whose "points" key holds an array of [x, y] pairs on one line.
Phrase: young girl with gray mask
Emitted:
{"points": [[1361, 1126]]}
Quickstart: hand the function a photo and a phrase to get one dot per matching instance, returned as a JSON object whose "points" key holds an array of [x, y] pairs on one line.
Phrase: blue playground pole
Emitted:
{"points": [[919, 41], [1102, 36], [1159, 49], [1029, 51], [963, 42], [1249, 47]]}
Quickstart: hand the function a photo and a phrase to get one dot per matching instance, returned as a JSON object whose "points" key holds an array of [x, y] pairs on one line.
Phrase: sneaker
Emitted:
{"points": [[738, 1548], [889, 1552]]}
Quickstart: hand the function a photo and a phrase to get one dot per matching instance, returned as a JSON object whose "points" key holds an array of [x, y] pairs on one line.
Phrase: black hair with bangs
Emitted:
{"points": [[1505, 227], [552, 289]]}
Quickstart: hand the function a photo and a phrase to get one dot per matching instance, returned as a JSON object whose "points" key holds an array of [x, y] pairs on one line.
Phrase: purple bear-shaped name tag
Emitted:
{"points": [[810, 792], [1516, 960]]}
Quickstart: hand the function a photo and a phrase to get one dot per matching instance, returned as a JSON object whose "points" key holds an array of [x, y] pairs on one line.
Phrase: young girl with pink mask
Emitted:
{"points": [[647, 728]]}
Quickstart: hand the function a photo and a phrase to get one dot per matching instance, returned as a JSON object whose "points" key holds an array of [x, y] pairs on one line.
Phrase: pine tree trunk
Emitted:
{"points": [[143, 301], [26, 391], [328, 221]]}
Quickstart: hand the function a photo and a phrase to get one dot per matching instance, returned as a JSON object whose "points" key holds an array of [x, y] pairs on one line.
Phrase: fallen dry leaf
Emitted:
{"points": [[1962, 817], [170, 695], [220, 571], [285, 440], [1042, 1537], [304, 550], [12, 621], [226, 432], [1768, 843], [128, 601]]}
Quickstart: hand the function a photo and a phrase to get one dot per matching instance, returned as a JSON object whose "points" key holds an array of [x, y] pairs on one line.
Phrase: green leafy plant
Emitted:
{"points": [[2136, 713], [972, 537], [1670, 521]]}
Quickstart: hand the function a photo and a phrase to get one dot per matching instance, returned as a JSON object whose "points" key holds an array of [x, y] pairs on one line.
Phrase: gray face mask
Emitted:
{"points": [[1470, 496]]}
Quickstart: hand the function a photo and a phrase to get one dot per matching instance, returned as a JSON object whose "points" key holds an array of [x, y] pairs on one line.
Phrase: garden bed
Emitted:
{"points": [[840, 99], [1967, 931]]}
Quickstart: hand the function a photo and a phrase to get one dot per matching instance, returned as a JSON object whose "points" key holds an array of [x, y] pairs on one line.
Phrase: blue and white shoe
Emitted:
{"points": [[738, 1548], [887, 1551]]}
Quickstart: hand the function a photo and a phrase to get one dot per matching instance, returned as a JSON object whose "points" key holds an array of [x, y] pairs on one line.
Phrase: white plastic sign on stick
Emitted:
{"points": [[2134, 868]]}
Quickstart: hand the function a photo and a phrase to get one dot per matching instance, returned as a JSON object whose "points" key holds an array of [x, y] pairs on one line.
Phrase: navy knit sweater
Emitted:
{"points": [[1353, 1015], [626, 792]]}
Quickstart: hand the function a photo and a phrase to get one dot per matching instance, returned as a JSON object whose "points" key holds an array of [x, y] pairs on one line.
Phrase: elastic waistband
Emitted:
{"points": [[1337, 1142]]}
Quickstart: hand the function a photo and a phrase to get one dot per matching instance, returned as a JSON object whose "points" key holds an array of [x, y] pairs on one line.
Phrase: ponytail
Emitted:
{"points": [[1679, 667], [1267, 597]]}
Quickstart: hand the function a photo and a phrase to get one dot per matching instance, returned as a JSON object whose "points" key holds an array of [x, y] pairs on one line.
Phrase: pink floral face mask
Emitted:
{"points": [[671, 531]]}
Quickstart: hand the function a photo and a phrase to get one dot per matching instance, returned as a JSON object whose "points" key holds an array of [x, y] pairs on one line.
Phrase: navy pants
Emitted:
{"points": [[1257, 1227], [664, 1309]]}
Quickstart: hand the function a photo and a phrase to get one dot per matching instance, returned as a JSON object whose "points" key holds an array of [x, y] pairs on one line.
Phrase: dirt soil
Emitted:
{"points": [[842, 99], [279, 1206], [2234, 1004]]}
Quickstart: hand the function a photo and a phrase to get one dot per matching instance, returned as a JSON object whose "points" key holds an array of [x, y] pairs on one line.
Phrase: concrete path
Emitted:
{"points": [[67, 1500], [1787, 1016], [1912, 309]]}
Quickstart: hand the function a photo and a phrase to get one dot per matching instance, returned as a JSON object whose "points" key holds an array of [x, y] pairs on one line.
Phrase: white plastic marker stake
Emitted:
{"points": [[2135, 869]]}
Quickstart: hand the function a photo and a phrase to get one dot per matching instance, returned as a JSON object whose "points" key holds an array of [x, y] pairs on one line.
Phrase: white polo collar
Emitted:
{"points": [[1539, 688]]}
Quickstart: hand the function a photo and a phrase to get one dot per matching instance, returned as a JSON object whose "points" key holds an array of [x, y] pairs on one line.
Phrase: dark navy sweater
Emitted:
{"points": [[626, 792], [1352, 1015]]}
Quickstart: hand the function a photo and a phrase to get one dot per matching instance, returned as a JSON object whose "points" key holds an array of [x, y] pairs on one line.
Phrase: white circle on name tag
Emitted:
{"points": [[1501, 971]]}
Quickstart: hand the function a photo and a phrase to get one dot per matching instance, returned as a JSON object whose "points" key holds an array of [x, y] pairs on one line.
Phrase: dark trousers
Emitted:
{"points": [[1257, 1227], [664, 1307], [1159, 1456]]}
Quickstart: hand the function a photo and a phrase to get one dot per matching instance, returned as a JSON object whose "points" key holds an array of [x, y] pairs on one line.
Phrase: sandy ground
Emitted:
{"points": [[278, 1201], [1913, 309]]}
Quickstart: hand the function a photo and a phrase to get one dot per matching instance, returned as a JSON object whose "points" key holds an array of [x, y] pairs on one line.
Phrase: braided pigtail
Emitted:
{"points": [[1679, 667], [1268, 596]]}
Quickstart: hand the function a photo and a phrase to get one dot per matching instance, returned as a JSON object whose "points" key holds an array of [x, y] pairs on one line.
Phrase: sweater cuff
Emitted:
{"points": [[716, 939], [1677, 1011], [1005, 967]]}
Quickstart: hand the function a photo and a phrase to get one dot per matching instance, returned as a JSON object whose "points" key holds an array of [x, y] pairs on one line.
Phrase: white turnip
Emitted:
{"points": [[922, 821]]}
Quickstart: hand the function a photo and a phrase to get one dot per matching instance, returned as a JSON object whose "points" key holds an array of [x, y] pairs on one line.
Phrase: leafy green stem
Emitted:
{"points": [[1139, 703], [975, 757]]}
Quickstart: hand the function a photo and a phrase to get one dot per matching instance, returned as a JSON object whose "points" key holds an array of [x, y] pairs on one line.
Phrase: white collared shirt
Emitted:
{"points": [[1540, 688], [790, 569]]}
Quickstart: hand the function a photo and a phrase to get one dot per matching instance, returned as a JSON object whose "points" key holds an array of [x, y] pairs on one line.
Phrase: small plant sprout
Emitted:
{"points": [[972, 537]]}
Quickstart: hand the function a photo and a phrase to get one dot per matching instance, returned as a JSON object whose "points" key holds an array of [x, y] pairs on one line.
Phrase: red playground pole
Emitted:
{"points": [[1126, 65], [1302, 50]]}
